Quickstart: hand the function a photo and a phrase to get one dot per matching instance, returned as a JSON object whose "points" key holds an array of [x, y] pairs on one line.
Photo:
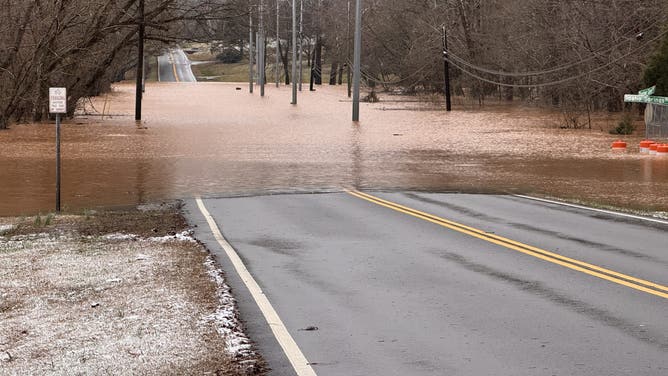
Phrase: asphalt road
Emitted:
{"points": [[174, 66], [395, 291]]}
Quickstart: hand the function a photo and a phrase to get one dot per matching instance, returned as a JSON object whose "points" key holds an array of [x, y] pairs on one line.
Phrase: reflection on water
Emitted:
{"points": [[212, 139]]}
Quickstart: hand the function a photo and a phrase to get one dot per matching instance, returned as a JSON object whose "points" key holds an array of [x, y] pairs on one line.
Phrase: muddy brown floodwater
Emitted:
{"points": [[212, 139]]}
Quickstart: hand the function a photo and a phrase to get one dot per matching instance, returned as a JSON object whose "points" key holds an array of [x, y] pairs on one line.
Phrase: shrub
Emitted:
{"points": [[229, 56], [625, 126]]}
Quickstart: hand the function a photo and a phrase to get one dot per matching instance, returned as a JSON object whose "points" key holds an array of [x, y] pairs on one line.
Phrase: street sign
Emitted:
{"points": [[633, 98], [648, 91], [58, 100]]}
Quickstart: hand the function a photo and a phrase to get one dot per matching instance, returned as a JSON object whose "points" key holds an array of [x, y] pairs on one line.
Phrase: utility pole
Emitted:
{"points": [[140, 62], [294, 52], [358, 60], [278, 40], [301, 41], [250, 51], [262, 47], [348, 71], [446, 71]]}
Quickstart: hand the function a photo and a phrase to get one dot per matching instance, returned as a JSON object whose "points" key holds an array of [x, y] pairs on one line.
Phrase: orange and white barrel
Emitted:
{"points": [[662, 150], [652, 148], [619, 146], [644, 146]]}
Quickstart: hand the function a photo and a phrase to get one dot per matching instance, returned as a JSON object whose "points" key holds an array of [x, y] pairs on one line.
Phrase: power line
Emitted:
{"points": [[557, 82], [595, 54]]}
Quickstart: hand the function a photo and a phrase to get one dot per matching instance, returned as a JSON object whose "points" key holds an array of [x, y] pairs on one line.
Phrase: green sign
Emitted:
{"points": [[648, 91], [633, 98]]}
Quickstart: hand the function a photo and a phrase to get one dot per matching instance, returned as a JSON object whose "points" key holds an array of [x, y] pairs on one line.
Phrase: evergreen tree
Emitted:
{"points": [[656, 72]]}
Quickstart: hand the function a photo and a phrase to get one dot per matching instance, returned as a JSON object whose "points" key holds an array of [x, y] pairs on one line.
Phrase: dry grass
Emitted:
{"points": [[220, 72], [73, 301]]}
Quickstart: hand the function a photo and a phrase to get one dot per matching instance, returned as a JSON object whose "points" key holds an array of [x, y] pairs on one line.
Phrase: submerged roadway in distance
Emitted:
{"points": [[174, 66], [411, 283]]}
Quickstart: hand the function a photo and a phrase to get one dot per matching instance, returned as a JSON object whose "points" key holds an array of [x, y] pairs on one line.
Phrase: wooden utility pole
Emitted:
{"points": [[357, 61], [262, 48], [294, 51], [301, 42], [348, 70], [278, 40], [140, 62], [446, 71]]}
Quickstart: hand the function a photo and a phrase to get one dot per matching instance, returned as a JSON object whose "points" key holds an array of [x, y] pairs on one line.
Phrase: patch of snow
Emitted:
{"points": [[4, 228], [661, 215], [120, 237], [142, 257], [185, 236], [226, 319]]}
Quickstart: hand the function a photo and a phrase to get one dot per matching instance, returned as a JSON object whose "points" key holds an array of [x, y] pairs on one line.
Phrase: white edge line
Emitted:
{"points": [[594, 209], [292, 351], [188, 64], [158, 58]]}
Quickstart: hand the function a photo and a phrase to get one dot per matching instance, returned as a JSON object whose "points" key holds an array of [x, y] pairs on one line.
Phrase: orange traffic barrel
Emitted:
{"points": [[619, 145], [652, 148], [644, 146], [662, 150]]}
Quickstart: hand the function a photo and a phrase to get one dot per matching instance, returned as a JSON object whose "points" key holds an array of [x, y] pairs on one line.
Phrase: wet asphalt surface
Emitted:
{"points": [[391, 294], [174, 66]]}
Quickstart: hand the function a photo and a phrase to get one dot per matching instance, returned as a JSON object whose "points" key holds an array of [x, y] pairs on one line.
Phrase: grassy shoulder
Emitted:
{"points": [[220, 72], [115, 292], [206, 69]]}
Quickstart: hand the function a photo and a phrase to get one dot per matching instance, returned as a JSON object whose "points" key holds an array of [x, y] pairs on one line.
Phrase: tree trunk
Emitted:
{"points": [[4, 122], [312, 63], [333, 73], [284, 59], [317, 66]]}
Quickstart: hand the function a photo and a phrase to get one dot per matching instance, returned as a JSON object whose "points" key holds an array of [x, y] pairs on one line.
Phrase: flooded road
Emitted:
{"points": [[212, 139]]}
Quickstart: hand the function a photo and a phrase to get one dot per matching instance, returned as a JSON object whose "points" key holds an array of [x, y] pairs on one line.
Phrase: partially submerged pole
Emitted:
{"points": [[357, 60], [261, 47], [301, 42], [58, 163], [140, 62], [278, 40], [348, 69], [446, 71], [294, 51], [251, 74]]}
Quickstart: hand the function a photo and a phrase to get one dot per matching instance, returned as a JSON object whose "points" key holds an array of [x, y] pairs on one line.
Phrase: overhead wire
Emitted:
{"points": [[556, 82], [595, 54], [536, 73], [370, 77], [472, 69]]}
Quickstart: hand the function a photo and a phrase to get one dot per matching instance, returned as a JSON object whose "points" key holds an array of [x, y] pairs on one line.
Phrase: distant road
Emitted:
{"points": [[174, 66], [446, 284]]}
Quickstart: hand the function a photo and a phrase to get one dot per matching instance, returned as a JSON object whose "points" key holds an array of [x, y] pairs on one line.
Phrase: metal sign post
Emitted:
{"points": [[58, 106]]}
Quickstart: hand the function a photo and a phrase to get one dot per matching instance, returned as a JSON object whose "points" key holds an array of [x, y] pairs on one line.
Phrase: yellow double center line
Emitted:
{"points": [[593, 270]]}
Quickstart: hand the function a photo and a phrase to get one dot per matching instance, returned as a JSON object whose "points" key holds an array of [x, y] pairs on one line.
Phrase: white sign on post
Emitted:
{"points": [[58, 100]]}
